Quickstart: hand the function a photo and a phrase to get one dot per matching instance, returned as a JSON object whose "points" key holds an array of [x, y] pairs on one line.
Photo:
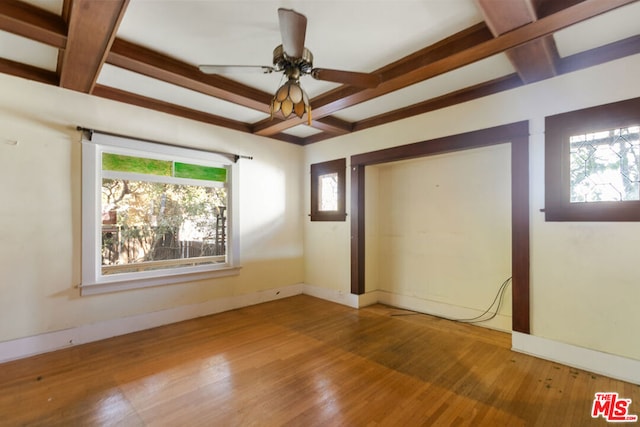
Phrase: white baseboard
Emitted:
{"points": [[43, 343], [594, 361], [610, 365], [447, 311]]}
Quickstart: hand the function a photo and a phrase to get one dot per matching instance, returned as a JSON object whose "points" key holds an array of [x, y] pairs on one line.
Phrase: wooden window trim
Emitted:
{"points": [[318, 169], [558, 129]]}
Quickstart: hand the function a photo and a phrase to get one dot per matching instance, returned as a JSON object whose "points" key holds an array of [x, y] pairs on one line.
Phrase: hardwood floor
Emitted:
{"points": [[302, 361]]}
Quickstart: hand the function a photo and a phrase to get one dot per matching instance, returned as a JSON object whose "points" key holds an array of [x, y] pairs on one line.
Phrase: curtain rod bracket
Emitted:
{"points": [[87, 133]]}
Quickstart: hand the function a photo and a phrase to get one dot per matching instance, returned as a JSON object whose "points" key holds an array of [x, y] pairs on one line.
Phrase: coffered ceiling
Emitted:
{"points": [[429, 54]]}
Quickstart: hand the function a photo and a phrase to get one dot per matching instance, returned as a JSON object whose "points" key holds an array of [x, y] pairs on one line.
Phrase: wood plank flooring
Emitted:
{"points": [[302, 361]]}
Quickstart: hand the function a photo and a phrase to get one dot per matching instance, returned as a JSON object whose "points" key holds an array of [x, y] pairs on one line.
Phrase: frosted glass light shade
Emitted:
{"points": [[289, 99]]}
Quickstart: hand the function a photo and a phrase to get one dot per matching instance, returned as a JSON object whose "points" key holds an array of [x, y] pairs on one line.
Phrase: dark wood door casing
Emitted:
{"points": [[517, 134]]}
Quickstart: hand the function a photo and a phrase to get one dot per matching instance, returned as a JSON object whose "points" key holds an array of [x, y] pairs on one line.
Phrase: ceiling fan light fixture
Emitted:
{"points": [[289, 99], [295, 93], [295, 60], [286, 107]]}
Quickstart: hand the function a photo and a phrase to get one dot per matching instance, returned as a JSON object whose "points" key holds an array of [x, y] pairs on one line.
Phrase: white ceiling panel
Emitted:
{"points": [[599, 31], [476, 73], [20, 49], [302, 131], [352, 35], [152, 88], [53, 6]]}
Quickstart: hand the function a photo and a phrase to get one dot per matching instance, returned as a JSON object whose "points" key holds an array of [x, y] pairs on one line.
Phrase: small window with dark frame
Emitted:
{"points": [[328, 190], [592, 161]]}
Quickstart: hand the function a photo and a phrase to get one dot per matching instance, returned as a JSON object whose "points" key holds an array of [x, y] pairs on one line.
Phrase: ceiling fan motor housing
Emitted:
{"points": [[302, 65]]}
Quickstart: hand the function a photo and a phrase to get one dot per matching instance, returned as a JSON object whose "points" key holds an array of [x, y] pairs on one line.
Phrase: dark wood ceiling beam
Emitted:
{"points": [[66, 15], [533, 61], [292, 139], [166, 107], [28, 72], [317, 138], [333, 101], [459, 42], [269, 127], [545, 8], [150, 63], [92, 29], [333, 125], [66, 10], [503, 16], [536, 60], [33, 23]]}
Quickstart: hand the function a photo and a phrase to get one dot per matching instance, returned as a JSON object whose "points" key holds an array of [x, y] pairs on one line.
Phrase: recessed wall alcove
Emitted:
{"points": [[517, 135]]}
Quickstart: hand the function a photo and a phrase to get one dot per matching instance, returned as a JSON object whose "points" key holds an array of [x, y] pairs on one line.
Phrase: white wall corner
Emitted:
{"points": [[333, 295], [611, 365], [51, 341]]}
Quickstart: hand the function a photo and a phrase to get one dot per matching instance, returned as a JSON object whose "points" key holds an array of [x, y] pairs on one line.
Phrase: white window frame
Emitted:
{"points": [[93, 281]]}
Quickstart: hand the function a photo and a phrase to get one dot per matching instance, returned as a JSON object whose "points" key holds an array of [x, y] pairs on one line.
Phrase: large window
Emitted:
{"points": [[154, 214], [593, 164]]}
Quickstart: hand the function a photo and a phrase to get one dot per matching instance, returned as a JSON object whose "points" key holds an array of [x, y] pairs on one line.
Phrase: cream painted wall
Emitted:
{"points": [[585, 284], [40, 154]]}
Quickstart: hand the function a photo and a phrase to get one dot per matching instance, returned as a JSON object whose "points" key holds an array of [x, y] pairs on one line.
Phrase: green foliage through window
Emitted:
{"points": [[122, 163], [145, 224], [149, 221]]}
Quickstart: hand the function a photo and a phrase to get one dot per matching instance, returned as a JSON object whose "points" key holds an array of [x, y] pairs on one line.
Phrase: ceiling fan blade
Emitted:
{"points": [[235, 69], [293, 28], [365, 80]]}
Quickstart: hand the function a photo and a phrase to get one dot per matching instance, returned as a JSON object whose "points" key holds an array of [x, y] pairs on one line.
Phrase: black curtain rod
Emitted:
{"points": [[234, 157]]}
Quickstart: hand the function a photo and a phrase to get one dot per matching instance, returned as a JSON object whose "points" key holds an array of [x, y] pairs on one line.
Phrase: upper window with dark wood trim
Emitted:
{"points": [[592, 161], [328, 190]]}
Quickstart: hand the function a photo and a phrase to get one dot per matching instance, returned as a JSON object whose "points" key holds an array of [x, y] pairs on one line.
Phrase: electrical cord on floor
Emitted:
{"points": [[499, 296]]}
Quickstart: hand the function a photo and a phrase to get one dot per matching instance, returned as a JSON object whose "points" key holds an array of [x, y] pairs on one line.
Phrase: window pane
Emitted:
{"points": [[328, 192], [150, 225], [605, 166], [208, 173], [121, 163]]}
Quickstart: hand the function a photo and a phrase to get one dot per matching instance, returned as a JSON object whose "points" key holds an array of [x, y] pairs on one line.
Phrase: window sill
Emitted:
{"points": [[338, 216], [627, 211], [103, 287]]}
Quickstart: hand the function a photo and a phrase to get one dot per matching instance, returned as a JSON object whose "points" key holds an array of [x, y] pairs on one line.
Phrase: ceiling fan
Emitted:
{"points": [[295, 60]]}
